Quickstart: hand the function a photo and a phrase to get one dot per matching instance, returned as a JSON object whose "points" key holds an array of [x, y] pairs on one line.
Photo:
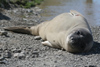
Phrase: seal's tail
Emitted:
{"points": [[24, 30], [33, 30]]}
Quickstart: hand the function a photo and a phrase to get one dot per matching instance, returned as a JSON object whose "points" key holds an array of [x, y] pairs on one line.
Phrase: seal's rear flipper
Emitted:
{"points": [[23, 30], [75, 13]]}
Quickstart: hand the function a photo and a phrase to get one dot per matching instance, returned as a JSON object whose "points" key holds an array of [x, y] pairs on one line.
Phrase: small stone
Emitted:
{"points": [[35, 13], [19, 55], [55, 61], [16, 50], [1, 58], [92, 66], [16, 54], [7, 55], [35, 54], [15, 11], [26, 16], [25, 19], [3, 33], [2, 62], [39, 10], [28, 10], [31, 11]]}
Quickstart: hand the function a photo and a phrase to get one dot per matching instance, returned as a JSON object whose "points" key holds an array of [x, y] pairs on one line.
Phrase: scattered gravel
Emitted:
{"points": [[22, 50]]}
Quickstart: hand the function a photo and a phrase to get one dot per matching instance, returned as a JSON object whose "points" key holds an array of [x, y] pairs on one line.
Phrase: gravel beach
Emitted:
{"points": [[22, 50]]}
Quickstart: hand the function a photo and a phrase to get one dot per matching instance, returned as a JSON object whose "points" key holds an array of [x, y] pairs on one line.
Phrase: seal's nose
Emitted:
{"points": [[77, 42]]}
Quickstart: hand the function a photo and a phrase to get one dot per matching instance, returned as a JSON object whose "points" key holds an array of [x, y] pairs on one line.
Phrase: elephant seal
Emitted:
{"points": [[69, 31]]}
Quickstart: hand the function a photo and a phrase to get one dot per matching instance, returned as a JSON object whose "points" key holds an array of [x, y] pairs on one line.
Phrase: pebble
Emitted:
{"points": [[25, 19], [16, 50], [1, 58], [19, 55], [3, 62], [3, 33], [39, 10], [28, 10], [7, 55], [15, 10]]}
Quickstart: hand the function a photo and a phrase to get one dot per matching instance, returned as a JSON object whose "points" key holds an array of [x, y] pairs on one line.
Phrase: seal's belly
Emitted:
{"points": [[53, 39]]}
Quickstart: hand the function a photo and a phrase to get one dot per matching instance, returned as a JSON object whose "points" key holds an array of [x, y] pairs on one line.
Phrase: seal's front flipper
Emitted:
{"points": [[23, 30], [37, 38], [47, 43]]}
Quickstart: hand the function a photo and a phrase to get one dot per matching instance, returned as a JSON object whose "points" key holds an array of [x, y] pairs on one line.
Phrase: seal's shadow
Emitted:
{"points": [[3, 17], [95, 49]]}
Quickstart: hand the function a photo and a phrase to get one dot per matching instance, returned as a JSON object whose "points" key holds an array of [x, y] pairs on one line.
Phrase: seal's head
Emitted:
{"points": [[79, 41]]}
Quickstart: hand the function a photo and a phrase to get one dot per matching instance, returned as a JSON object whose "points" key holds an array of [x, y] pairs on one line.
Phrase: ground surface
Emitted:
{"points": [[21, 50]]}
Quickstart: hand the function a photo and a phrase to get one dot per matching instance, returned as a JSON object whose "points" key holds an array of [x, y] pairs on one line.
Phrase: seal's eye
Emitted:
{"points": [[78, 32]]}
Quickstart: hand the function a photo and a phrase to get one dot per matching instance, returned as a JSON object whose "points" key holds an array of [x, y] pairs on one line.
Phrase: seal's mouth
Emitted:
{"points": [[79, 41]]}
